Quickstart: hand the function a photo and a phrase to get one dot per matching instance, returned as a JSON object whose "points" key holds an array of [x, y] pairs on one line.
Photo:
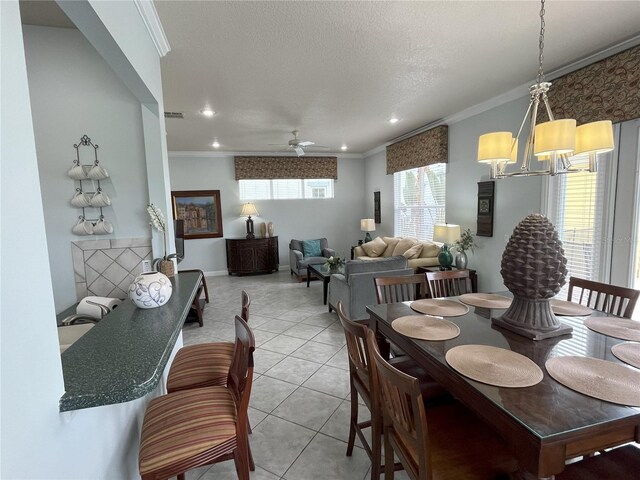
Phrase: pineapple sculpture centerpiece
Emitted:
{"points": [[534, 270]]}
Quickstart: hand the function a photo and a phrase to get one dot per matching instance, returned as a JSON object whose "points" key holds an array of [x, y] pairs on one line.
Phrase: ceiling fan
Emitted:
{"points": [[297, 144]]}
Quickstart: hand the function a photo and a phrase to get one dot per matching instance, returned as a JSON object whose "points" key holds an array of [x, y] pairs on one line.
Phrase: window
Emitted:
{"points": [[285, 189], [578, 207], [419, 201]]}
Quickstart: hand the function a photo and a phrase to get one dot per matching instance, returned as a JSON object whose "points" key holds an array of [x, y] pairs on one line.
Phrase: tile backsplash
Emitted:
{"points": [[106, 268]]}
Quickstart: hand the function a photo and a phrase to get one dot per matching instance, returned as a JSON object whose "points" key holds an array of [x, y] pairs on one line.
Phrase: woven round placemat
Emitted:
{"points": [[628, 352], [562, 307], [424, 327], [485, 300], [597, 378], [494, 366], [442, 308], [617, 327]]}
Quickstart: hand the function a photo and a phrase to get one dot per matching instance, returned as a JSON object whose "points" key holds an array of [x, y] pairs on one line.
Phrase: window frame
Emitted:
{"points": [[302, 188]]}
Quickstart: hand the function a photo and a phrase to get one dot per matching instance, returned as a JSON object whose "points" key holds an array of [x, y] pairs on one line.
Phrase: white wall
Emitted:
{"points": [[37, 441], [514, 198], [74, 92], [338, 218]]}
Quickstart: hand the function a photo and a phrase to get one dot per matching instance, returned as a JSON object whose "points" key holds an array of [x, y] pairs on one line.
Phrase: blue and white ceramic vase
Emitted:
{"points": [[150, 290]]}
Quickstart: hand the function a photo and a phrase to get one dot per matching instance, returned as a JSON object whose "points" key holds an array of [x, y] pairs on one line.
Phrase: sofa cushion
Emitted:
{"points": [[311, 248], [403, 245], [375, 247], [413, 252], [391, 245], [429, 249]]}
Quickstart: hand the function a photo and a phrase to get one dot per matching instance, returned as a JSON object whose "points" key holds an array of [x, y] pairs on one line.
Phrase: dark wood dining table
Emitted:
{"points": [[545, 424]]}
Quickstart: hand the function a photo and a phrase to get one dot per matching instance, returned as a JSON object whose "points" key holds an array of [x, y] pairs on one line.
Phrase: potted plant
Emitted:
{"points": [[462, 245], [164, 263], [334, 263]]}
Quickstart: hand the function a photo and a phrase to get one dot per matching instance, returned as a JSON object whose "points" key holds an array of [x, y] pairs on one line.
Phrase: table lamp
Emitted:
{"points": [[249, 209], [447, 234], [367, 225]]}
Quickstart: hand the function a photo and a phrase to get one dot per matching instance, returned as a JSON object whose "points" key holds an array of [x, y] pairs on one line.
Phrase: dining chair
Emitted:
{"points": [[446, 441], [201, 426], [197, 306], [618, 463], [204, 364], [448, 283], [612, 299], [360, 385], [401, 288]]}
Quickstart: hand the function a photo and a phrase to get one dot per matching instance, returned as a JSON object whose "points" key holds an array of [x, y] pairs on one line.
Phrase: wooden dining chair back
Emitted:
{"points": [[405, 424], [246, 303], [192, 428], [448, 283], [401, 288], [612, 299]]}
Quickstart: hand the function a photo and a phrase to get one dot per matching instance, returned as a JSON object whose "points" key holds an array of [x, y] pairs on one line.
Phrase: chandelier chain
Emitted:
{"points": [[541, 43]]}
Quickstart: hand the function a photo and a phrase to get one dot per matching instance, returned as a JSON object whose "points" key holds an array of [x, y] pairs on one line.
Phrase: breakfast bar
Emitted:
{"points": [[123, 357]]}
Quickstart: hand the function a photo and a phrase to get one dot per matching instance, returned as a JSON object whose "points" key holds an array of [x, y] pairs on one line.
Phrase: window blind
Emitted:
{"points": [[578, 213], [419, 201], [286, 189]]}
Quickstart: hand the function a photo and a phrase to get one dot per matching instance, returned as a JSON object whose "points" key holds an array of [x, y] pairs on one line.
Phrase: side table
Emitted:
{"points": [[472, 274]]}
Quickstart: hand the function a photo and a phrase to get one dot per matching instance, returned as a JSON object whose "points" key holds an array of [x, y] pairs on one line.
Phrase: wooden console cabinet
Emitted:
{"points": [[252, 255]]}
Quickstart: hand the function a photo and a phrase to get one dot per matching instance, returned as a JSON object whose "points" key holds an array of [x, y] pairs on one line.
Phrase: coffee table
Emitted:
{"points": [[318, 270]]}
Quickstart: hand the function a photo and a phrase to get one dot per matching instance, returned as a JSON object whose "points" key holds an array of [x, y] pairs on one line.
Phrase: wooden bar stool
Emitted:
{"points": [[449, 283], [205, 364], [612, 299], [400, 289], [201, 426]]}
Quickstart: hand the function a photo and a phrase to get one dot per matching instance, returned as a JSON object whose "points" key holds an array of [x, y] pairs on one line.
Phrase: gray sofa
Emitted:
{"points": [[356, 288], [298, 262]]}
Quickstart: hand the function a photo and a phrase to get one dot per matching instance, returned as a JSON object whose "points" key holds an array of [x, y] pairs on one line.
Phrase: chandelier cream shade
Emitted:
{"points": [[553, 141]]}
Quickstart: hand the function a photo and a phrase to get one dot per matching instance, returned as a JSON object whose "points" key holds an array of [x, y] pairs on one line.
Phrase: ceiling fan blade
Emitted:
{"points": [[299, 151], [305, 144], [279, 145], [317, 146]]}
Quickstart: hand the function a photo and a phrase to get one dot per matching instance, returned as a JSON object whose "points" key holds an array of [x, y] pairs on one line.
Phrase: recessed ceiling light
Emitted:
{"points": [[393, 120], [215, 144], [344, 147], [207, 112]]}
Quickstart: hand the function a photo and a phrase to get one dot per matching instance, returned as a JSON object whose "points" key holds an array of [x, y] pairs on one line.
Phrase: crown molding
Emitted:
{"points": [[515, 93], [218, 154], [151, 20]]}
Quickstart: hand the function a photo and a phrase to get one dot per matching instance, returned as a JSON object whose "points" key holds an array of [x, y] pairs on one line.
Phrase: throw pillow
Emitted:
{"points": [[403, 245], [429, 249], [413, 252], [391, 245], [375, 247], [311, 248]]}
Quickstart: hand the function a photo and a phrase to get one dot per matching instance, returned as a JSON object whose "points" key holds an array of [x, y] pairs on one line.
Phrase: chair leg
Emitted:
{"points": [[240, 461], [376, 448], [354, 419], [252, 465], [181, 476], [388, 458]]}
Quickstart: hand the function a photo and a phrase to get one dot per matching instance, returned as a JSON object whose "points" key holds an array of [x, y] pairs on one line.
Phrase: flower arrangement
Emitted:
{"points": [[159, 223], [334, 262], [466, 242]]}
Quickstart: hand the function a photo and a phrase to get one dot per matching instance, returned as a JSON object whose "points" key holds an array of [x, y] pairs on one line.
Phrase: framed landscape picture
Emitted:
{"points": [[200, 210]]}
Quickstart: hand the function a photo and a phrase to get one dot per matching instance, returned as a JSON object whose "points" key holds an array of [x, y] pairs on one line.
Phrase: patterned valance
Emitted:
{"points": [[605, 90], [423, 149], [266, 168]]}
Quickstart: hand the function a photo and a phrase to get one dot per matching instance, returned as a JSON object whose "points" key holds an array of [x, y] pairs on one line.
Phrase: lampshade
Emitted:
{"points": [[248, 209], [557, 136], [446, 233], [594, 137], [367, 225], [495, 146]]}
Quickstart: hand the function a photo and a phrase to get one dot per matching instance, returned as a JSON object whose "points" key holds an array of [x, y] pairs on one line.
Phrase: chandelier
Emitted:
{"points": [[551, 143]]}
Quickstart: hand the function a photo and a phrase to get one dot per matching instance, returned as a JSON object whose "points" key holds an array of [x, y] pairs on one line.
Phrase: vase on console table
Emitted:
{"points": [[150, 290], [461, 260]]}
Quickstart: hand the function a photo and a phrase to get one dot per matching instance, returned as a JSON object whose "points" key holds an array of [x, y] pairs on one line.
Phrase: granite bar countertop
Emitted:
{"points": [[123, 357]]}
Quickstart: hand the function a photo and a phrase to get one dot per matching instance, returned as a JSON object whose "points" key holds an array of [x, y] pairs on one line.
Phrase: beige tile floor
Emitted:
{"points": [[299, 407]]}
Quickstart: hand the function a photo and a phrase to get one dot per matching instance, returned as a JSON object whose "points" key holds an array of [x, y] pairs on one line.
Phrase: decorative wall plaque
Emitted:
{"points": [[485, 209], [376, 207]]}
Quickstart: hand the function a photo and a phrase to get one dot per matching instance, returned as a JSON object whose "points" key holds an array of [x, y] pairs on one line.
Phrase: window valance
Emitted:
{"points": [[267, 168], [608, 89], [423, 149]]}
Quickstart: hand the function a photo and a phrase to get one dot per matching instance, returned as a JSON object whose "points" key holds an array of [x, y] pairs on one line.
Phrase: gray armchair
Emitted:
{"points": [[356, 288], [298, 262]]}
